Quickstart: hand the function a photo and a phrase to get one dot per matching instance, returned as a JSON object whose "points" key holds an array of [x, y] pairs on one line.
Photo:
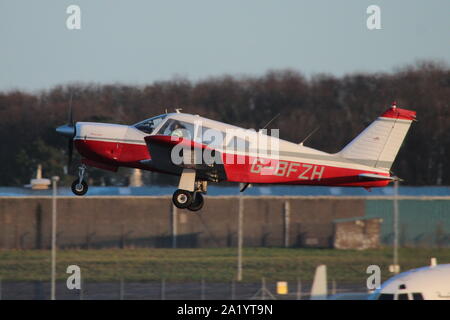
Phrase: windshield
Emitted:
{"points": [[386, 296], [177, 128], [149, 125]]}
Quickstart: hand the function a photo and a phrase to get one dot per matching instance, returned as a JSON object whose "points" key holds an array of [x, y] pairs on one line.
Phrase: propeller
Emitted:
{"points": [[68, 130]]}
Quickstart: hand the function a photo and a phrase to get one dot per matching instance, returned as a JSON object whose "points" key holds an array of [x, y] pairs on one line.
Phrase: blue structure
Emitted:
{"points": [[217, 190], [422, 222]]}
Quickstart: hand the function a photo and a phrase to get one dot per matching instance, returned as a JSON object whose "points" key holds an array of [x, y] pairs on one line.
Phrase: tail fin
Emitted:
{"points": [[378, 145], [319, 286]]}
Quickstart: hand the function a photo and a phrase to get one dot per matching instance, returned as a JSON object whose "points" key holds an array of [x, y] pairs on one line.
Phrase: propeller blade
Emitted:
{"points": [[70, 153], [69, 130]]}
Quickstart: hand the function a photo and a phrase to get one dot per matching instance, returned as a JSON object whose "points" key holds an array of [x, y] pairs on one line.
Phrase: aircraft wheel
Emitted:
{"points": [[78, 188], [197, 203], [182, 198]]}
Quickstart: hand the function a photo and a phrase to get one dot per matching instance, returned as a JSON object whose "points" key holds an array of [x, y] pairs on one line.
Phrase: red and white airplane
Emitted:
{"points": [[200, 150]]}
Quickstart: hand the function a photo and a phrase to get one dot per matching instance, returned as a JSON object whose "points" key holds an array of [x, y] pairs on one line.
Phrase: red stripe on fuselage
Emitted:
{"points": [[251, 171], [292, 172]]}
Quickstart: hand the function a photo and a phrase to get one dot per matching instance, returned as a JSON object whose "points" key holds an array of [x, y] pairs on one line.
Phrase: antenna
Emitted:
{"points": [[394, 105], [309, 135], [178, 110], [267, 124], [433, 262]]}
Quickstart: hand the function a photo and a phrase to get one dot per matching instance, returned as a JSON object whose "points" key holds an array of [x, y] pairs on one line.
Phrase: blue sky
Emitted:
{"points": [[138, 42]]}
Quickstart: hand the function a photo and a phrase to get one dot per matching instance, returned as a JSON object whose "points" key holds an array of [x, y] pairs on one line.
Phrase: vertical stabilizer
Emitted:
{"points": [[319, 287], [378, 145]]}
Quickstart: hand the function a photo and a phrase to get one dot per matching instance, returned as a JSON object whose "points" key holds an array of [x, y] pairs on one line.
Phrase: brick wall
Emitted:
{"points": [[357, 234], [90, 222]]}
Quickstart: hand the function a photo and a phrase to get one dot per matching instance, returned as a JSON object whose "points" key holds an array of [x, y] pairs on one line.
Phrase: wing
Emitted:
{"points": [[173, 154]]}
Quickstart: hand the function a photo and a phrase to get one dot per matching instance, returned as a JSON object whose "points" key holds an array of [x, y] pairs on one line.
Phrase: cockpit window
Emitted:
{"points": [[402, 296], [177, 128], [417, 296], [149, 125], [386, 296], [238, 144], [213, 137]]}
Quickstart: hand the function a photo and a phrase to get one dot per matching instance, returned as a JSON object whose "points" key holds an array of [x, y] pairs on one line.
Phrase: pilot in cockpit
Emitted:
{"points": [[177, 129]]}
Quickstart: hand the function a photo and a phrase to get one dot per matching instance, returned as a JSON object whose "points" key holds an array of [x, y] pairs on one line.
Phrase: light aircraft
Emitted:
{"points": [[200, 150], [426, 283]]}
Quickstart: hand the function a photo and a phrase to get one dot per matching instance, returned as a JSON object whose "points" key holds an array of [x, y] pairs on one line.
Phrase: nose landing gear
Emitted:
{"points": [[79, 186]]}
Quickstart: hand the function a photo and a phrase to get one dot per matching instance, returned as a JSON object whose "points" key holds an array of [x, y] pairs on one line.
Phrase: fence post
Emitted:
{"points": [[233, 289], [240, 236], [396, 218], [163, 289], [174, 226], [55, 179], [263, 286], [81, 292], [202, 294], [287, 213], [299, 289], [121, 289], [333, 287]]}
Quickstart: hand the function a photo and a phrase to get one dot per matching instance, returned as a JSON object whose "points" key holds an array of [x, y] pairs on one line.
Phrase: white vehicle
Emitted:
{"points": [[426, 283]]}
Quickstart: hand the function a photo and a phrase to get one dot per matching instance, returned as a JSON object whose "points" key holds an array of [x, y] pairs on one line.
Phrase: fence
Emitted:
{"points": [[162, 290], [99, 222]]}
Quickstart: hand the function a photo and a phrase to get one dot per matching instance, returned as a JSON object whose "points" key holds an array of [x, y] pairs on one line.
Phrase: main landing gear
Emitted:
{"points": [[189, 195], [79, 186], [184, 199]]}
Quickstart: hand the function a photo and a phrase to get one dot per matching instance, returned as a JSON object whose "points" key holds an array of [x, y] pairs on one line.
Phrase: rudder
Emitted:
{"points": [[378, 144]]}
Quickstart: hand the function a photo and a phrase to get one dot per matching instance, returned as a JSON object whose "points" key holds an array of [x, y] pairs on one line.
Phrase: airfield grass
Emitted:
{"points": [[213, 265]]}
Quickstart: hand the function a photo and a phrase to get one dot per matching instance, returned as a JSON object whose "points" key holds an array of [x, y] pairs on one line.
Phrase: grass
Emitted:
{"points": [[218, 265]]}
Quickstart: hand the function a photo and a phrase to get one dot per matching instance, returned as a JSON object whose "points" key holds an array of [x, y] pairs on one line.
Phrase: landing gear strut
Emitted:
{"points": [[79, 186]]}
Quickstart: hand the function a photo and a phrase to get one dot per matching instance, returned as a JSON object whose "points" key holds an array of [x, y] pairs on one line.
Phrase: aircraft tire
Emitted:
{"points": [[79, 189], [197, 202], [182, 198]]}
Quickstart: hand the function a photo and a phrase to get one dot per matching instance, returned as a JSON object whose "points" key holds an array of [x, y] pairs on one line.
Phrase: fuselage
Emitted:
{"points": [[109, 146], [426, 283]]}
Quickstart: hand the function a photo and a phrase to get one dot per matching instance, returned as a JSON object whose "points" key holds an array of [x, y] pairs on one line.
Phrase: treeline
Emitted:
{"points": [[340, 106]]}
